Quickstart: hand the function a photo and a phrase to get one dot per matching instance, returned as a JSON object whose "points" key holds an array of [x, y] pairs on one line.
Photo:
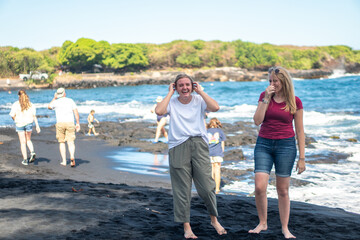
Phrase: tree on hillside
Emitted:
{"points": [[83, 54], [50, 62], [26, 60], [125, 57]]}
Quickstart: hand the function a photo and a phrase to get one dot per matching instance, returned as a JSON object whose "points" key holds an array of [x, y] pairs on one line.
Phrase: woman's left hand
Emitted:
{"points": [[197, 87], [300, 166], [38, 130]]}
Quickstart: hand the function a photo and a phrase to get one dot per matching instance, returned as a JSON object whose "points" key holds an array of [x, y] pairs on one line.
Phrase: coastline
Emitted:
{"points": [[93, 80], [91, 201]]}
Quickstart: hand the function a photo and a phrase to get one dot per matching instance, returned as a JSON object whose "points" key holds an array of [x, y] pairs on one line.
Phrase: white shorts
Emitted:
{"points": [[216, 159]]}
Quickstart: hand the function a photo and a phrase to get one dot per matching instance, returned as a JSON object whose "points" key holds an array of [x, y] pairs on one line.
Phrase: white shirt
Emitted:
{"points": [[22, 118], [64, 109], [186, 120]]}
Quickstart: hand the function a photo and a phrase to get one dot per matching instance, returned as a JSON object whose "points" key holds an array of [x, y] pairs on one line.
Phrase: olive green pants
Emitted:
{"points": [[190, 161]]}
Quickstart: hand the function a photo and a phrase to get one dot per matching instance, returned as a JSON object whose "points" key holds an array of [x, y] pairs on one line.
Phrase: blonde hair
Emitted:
{"points": [[287, 87], [214, 123], [24, 100]]}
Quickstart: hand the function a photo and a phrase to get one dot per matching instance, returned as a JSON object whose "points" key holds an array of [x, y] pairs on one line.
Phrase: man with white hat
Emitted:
{"points": [[65, 110]]}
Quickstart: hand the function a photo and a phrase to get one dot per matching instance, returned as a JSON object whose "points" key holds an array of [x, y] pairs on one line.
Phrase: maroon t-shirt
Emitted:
{"points": [[277, 122]]}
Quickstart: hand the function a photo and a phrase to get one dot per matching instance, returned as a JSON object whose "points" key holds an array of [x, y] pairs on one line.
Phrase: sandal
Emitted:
{"points": [[72, 162]]}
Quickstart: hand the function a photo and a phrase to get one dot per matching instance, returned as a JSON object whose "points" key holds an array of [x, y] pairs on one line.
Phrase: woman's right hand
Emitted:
{"points": [[269, 91], [172, 88]]}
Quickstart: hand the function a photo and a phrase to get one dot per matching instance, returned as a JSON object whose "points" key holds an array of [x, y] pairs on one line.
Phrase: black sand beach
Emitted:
{"points": [[91, 201]]}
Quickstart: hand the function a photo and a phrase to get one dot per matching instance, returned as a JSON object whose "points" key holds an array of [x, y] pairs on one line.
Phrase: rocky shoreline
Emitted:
{"points": [[93, 80], [166, 77], [138, 135]]}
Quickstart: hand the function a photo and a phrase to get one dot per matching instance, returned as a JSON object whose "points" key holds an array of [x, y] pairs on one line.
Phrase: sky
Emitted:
{"points": [[42, 24]]}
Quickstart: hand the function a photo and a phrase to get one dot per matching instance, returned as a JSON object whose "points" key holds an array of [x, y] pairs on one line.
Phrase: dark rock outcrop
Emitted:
{"points": [[167, 77]]}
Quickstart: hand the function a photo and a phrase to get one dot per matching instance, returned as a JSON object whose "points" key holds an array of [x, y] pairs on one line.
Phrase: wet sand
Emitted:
{"points": [[92, 201]]}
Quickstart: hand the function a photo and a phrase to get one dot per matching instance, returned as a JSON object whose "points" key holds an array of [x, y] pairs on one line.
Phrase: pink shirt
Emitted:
{"points": [[278, 124]]}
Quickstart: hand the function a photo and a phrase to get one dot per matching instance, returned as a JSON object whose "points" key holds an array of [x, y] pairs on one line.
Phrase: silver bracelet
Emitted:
{"points": [[265, 101]]}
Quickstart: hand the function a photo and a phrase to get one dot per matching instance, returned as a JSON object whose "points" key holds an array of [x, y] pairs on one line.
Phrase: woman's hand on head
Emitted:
{"points": [[197, 87], [172, 88]]}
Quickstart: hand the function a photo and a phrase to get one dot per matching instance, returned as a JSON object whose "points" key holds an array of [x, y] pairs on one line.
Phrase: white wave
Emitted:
{"points": [[338, 73], [6, 105], [94, 103], [243, 112], [329, 124], [133, 108], [343, 179]]}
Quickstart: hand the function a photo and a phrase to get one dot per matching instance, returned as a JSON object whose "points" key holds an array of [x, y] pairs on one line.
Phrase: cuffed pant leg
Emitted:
{"points": [[204, 183], [181, 181]]}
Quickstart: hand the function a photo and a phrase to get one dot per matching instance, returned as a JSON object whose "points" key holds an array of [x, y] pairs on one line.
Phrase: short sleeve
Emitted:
{"points": [[168, 108], [13, 110], [222, 135], [262, 95], [298, 103], [203, 105], [73, 104], [33, 109]]}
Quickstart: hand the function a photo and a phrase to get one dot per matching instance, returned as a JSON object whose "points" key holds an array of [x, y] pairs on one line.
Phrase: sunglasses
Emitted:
{"points": [[276, 70]]}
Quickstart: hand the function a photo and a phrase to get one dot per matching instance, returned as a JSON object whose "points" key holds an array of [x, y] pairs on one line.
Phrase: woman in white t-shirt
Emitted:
{"points": [[23, 112], [188, 149]]}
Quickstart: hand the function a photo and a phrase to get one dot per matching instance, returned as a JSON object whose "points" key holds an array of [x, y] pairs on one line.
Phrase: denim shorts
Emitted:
{"points": [[26, 128], [281, 152]]}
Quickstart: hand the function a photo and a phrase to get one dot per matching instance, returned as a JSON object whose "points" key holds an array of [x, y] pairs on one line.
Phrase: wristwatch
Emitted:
{"points": [[265, 101]]}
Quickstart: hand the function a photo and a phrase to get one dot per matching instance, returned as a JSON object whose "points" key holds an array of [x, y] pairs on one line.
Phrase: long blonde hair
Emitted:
{"points": [[24, 100], [214, 123], [287, 87]]}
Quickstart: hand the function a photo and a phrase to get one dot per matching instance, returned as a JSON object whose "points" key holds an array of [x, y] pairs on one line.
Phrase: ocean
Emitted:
{"points": [[331, 117]]}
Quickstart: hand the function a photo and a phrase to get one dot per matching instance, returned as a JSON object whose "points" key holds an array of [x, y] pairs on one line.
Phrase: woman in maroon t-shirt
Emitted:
{"points": [[277, 108]]}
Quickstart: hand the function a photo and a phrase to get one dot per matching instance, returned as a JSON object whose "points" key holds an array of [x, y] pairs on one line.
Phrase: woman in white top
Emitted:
{"points": [[188, 149], [23, 112]]}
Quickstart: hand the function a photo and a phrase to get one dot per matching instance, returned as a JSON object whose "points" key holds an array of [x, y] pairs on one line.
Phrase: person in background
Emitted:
{"points": [[91, 118], [216, 149], [189, 150], [65, 110], [277, 108], [23, 112], [161, 122]]}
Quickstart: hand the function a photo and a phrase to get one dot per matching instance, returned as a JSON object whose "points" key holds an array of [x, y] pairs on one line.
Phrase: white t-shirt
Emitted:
{"points": [[64, 109], [22, 118], [186, 120]]}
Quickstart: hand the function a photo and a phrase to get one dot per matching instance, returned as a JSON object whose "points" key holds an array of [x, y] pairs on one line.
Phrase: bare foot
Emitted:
{"points": [[259, 228], [63, 163], [220, 230], [287, 234], [189, 234]]}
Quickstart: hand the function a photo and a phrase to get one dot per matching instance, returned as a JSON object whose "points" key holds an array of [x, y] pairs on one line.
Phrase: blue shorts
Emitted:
{"points": [[281, 152], [26, 128]]}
